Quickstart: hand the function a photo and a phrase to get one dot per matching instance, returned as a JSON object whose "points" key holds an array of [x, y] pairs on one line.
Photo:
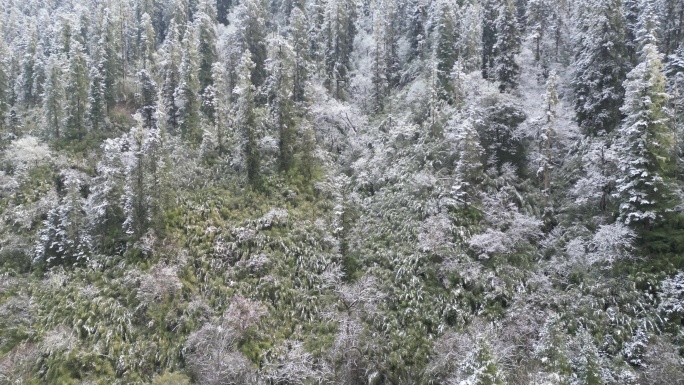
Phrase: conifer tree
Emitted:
{"points": [[300, 46], [672, 25], [599, 65], [109, 61], [645, 140], [539, 16], [206, 49], [143, 163], [222, 10], [220, 107], [489, 37], [171, 62], [252, 30], [28, 69], [279, 86], [338, 37], [77, 92], [54, 96], [379, 73], [507, 47], [147, 42], [246, 120], [547, 133], [148, 98], [4, 92], [416, 27], [96, 100], [469, 44], [63, 238], [187, 92], [445, 49]]}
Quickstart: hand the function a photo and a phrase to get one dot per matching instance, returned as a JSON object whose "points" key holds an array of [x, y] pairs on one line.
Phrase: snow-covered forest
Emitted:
{"points": [[381, 192]]}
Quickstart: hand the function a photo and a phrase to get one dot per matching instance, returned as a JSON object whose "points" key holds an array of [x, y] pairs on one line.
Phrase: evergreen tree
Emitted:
{"points": [[206, 49], [279, 86], [109, 61], [220, 107], [547, 134], [103, 209], [300, 46], [144, 164], [4, 87], [53, 99], [539, 16], [599, 65], [379, 73], [489, 37], [246, 120], [645, 140], [672, 25], [445, 49], [96, 100], [507, 47], [469, 166], [147, 98], [63, 238], [77, 92], [171, 62], [222, 10], [469, 44], [252, 36], [338, 37], [416, 27], [187, 93], [28, 68], [147, 42]]}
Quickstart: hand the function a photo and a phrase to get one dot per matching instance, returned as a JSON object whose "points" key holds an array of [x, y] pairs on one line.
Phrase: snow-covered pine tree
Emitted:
{"points": [[54, 96], [645, 139], [378, 70], [469, 44], [539, 16], [143, 164], [104, 212], [246, 120], [445, 48], [171, 62], [300, 45], [25, 84], [63, 238], [147, 42], [206, 48], [672, 25], [490, 13], [147, 97], [279, 90], [600, 63], [77, 92], [507, 47], [338, 35], [252, 31], [187, 93], [546, 135], [96, 99]]}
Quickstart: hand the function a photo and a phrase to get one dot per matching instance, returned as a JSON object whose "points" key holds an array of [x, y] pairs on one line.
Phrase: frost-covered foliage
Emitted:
{"points": [[341, 192]]}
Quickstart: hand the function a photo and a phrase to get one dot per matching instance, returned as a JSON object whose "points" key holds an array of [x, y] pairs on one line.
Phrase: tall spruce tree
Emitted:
{"points": [[187, 92], [645, 139], [600, 64], [507, 47], [77, 92], [246, 119], [490, 13]]}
